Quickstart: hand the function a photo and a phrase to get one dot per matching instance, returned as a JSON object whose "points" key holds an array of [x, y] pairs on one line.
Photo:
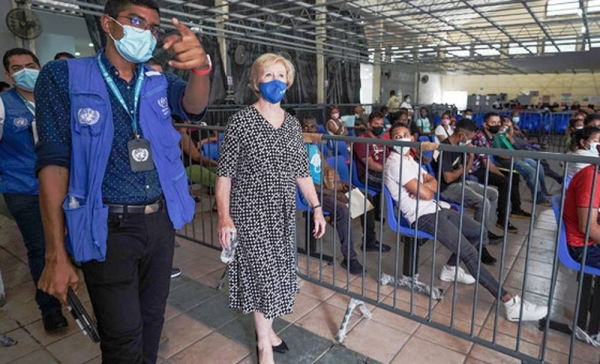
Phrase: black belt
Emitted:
{"points": [[136, 209]]}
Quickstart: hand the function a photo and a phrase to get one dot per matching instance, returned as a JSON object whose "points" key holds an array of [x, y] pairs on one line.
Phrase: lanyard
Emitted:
{"points": [[30, 105], [115, 91]]}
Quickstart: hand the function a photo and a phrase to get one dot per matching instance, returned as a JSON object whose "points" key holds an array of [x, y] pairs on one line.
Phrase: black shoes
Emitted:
{"points": [[510, 228], [520, 214], [175, 272], [281, 348], [374, 247], [487, 258], [355, 266], [494, 239], [54, 320]]}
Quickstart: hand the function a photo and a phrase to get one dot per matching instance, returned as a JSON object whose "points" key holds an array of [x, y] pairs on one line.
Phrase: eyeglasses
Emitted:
{"points": [[139, 23]]}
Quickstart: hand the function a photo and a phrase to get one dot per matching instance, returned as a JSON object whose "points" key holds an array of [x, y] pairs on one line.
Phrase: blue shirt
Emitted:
{"points": [[120, 184], [314, 162]]}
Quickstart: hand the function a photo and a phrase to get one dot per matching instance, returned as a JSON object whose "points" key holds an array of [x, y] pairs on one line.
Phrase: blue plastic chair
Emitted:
{"points": [[403, 227], [301, 203], [563, 251], [357, 183], [341, 167], [211, 150], [321, 129], [333, 148], [424, 138]]}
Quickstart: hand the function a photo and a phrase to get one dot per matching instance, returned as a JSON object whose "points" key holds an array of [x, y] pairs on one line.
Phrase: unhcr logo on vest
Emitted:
{"points": [[88, 116], [164, 105]]}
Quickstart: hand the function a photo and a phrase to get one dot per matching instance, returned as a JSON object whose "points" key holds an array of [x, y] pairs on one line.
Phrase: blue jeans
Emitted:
{"points": [[592, 258], [526, 169], [26, 211]]}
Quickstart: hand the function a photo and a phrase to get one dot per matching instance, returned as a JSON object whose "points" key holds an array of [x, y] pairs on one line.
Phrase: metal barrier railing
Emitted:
{"points": [[462, 311]]}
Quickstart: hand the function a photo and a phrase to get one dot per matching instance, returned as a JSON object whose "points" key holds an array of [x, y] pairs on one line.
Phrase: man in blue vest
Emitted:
{"points": [[18, 182], [110, 170]]}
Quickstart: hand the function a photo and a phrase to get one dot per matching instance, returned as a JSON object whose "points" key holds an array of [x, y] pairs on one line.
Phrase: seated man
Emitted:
{"points": [[371, 155], [200, 169], [408, 184], [526, 167], [317, 166], [484, 139], [577, 211], [453, 165]]}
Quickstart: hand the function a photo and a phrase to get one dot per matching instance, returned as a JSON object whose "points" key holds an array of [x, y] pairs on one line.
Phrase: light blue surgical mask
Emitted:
{"points": [[516, 119], [25, 79], [273, 91], [400, 149], [137, 45], [408, 101]]}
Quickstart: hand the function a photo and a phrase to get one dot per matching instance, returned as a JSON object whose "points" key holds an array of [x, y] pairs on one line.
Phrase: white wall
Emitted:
{"points": [[430, 92]]}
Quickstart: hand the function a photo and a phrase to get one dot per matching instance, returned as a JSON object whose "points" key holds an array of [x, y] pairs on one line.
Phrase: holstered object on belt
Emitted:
{"points": [[82, 318]]}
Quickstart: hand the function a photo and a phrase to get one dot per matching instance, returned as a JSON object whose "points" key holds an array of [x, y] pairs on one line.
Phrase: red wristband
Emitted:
{"points": [[205, 71]]}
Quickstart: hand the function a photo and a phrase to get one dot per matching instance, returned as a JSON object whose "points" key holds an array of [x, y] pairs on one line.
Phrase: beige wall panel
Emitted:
{"points": [[579, 85]]}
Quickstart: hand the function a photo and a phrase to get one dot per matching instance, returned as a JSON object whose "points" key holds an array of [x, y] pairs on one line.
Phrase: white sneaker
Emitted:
{"points": [[448, 272], [531, 312]]}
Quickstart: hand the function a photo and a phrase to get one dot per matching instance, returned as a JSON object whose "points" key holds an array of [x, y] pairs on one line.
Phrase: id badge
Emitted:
{"points": [[140, 155]]}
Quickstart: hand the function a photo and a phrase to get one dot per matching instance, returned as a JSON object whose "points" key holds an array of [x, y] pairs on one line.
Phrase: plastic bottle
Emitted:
{"points": [[228, 253]]}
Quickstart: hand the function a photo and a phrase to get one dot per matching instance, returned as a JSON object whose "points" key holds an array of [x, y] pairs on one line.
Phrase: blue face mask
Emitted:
{"points": [[273, 91], [136, 46], [408, 101], [25, 79], [516, 119]]}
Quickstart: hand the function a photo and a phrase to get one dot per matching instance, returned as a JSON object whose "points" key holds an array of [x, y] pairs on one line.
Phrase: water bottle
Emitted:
{"points": [[228, 253]]}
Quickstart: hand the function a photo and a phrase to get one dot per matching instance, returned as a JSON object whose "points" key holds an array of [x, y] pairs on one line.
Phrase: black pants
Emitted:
{"points": [[502, 182], [129, 289], [26, 211]]}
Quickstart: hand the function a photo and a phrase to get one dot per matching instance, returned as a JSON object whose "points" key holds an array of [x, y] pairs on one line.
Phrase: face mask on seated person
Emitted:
{"points": [[494, 129], [445, 122], [516, 119], [469, 117], [594, 149], [377, 130], [400, 149]]}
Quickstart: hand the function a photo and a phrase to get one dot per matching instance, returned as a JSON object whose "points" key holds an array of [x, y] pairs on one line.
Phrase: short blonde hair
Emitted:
{"points": [[266, 60]]}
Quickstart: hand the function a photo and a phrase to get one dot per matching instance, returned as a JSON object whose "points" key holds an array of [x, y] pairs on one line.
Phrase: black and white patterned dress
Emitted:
{"points": [[264, 164]]}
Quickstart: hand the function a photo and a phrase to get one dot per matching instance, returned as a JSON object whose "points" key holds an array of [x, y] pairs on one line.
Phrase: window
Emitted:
{"points": [[570, 7]]}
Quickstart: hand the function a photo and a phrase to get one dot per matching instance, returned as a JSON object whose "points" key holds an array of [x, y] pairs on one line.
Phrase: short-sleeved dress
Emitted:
{"points": [[264, 163]]}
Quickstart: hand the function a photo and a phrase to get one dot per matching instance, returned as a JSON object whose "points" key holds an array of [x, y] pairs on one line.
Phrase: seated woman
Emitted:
{"points": [[200, 169], [444, 130], [409, 183], [580, 203], [575, 123], [335, 125], [585, 142]]}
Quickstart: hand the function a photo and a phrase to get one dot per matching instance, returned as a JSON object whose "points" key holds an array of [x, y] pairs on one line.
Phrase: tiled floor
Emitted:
{"points": [[200, 328]]}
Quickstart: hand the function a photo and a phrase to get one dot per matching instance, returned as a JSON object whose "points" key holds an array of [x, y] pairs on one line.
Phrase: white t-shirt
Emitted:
{"points": [[406, 106], [440, 130], [410, 170], [576, 167]]}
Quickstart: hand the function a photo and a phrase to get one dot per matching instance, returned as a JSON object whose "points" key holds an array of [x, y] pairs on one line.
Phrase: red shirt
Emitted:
{"points": [[579, 194], [375, 151]]}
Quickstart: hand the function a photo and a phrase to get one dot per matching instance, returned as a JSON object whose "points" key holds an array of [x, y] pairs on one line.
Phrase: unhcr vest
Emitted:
{"points": [[92, 131], [17, 157]]}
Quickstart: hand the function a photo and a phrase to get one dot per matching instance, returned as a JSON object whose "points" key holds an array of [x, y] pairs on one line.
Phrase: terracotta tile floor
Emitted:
{"points": [[200, 328]]}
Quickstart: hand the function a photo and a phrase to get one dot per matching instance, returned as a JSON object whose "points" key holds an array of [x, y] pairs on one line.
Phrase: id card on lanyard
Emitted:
{"points": [[139, 151], [31, 107]]}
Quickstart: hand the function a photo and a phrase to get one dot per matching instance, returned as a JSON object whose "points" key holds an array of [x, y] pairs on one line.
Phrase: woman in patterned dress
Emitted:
{"points": [[262, 158]]}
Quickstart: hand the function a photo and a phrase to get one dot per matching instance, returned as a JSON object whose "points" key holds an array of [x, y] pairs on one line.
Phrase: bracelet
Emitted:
{"points": [[205, 71], [316, 207]]}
